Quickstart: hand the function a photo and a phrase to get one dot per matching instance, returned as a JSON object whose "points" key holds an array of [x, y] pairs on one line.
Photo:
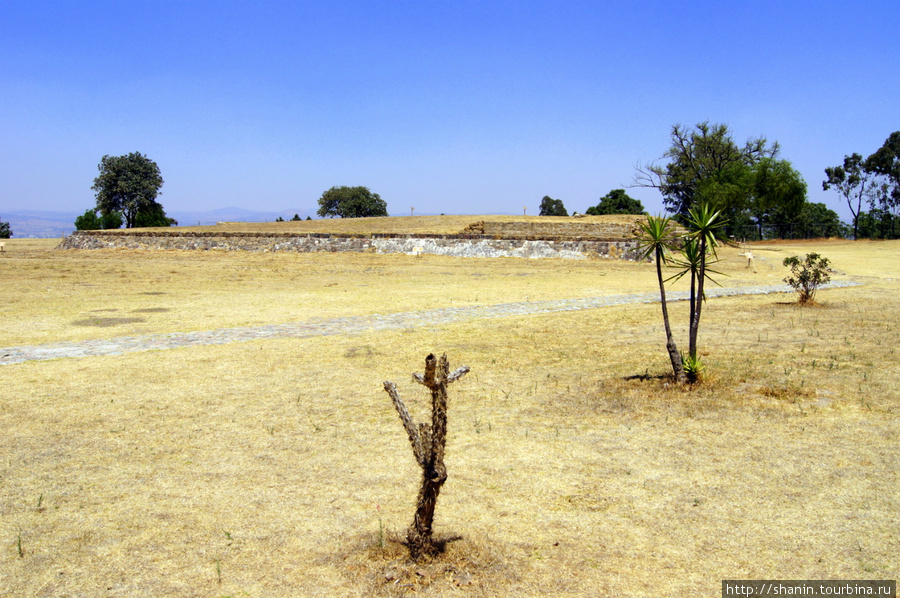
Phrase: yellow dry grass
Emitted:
{"points": [[279, 468]]}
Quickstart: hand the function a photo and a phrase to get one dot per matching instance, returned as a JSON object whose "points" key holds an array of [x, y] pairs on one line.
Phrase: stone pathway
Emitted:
{"points": [[352, 324]]}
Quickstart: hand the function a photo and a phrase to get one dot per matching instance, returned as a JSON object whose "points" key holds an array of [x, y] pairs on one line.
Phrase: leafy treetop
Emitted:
{"points": [[853, 182], [616, 202], [552, 207], [885, 163], [351, 202], [91, 221], [704, 164], [777, 196], [128, 184]]}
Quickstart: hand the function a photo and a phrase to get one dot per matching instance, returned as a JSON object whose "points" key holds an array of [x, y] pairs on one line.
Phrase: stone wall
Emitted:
{"points": [[452, 245], [552, 230]]}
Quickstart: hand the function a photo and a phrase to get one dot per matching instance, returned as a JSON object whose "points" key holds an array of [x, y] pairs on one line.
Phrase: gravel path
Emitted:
{"points": [[351, 324]]}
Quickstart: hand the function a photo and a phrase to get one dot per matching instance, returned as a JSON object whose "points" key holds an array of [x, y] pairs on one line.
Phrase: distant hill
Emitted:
{"points": [[45, 225], [38, 224], [233, 215]]}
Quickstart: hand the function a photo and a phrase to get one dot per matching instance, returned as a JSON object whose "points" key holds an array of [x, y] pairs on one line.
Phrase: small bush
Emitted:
{"points": [[807, 275], [693, 367]]}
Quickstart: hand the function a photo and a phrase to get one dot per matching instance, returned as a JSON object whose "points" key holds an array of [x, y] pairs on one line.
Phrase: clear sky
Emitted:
{"points": [[446, 106]]}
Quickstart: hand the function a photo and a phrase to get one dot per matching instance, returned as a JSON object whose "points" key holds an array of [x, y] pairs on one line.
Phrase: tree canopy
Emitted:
{"points": [[886, 163], [351, 202], [885, 201], [703, 162], [819, 221], [128, 184], [777, 196], [853, 182], [748, 183], [5, 231], [552, 207], [153, 215], [875, 179], [91, 221], [616, 202]]}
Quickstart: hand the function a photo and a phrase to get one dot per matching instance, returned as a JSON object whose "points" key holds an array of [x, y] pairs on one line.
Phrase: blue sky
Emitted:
{"points": [[454, 107]]}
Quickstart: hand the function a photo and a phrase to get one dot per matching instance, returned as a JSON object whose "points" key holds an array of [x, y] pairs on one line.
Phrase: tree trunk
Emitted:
{"points": [[697, 303], [674, 355], [434, 474], [419, 534], [428, 449]]}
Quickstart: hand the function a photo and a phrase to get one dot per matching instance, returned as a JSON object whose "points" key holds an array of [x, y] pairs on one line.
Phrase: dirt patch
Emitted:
{"points": [[381, 564]]}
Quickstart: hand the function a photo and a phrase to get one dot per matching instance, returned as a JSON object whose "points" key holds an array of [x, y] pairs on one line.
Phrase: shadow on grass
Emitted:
{"points": [[648, 376]]}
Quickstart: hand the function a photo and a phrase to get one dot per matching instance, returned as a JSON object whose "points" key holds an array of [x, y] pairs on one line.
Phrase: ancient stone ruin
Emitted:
{"points": [[576, 239]]}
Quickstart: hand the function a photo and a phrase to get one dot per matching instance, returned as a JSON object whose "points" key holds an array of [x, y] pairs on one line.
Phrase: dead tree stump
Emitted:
{"points": [[428, 449]]}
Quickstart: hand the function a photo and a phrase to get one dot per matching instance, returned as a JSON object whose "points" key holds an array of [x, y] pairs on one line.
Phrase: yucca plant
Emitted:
{"points": [[658, 238], [696, 251], [690, 261], [704, 223], [693, 368]]}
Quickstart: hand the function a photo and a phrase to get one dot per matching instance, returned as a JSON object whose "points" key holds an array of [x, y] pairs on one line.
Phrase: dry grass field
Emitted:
{"points": [[279, 467]]}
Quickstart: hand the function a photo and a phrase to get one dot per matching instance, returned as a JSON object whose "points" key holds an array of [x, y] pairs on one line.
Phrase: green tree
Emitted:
{"points": [[5, 231], [877, 224], [88, 221], [657, 239], [296, 218], [885, 164], [91, 221], [817, 221], [705, 164], [777, 196], [853, 182], [127, 184], [153, 215], [351, 202], [616, 202], [552, 207]]}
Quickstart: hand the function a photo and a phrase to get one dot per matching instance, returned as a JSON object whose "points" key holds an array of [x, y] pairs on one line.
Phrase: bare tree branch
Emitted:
{"points": [[415, 438], [457, 374]]}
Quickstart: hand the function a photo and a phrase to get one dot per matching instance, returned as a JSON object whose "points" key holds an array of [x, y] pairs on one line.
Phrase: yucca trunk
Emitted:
{"points": [[674, 355], [697, 301]]}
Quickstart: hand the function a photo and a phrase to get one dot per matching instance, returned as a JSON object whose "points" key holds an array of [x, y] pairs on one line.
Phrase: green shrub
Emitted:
{"points": [[807, 275], [91, 221]]}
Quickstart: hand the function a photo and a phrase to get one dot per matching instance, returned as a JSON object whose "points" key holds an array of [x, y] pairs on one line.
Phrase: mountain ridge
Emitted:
{"points": [[44, 224]]}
